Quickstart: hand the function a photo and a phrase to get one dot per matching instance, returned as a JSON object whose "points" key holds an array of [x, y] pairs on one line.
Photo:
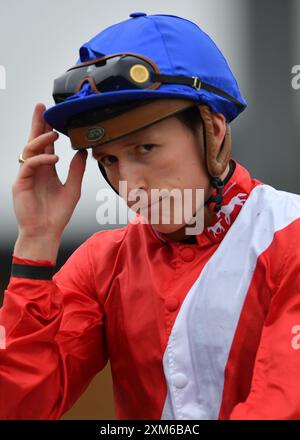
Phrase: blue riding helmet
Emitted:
{"points": [[146, 57]]}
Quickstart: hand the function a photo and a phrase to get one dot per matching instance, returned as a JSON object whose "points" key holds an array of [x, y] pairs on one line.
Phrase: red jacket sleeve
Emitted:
{"points": [[275, 386], [55, 344]]}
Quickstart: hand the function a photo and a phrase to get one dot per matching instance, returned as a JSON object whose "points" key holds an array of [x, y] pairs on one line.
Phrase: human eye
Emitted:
{"points": [[146, 147], [107, 160]]}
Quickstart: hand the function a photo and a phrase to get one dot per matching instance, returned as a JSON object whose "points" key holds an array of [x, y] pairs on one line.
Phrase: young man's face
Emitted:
{"points": [[164, 156]]}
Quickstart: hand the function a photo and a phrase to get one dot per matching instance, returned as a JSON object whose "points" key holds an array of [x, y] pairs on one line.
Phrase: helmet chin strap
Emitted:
{"points": [[217, 160], [217, 183]]}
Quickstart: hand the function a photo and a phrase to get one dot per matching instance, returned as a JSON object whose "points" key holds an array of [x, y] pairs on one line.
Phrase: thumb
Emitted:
{"points": [[76, 172]]}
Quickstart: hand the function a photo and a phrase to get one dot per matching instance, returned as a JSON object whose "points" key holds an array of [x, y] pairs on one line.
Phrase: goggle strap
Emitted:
{"points": [[194, 82]]}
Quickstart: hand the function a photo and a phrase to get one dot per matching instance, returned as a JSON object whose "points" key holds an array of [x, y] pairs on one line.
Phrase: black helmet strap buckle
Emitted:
{"points": [[218, 184]]}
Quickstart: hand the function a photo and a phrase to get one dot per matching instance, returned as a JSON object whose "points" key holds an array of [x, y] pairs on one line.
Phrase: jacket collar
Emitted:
{"points": [[237, 188]]}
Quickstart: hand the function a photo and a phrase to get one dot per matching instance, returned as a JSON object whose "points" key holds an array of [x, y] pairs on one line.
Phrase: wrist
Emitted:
{"points": [[37, 248]]}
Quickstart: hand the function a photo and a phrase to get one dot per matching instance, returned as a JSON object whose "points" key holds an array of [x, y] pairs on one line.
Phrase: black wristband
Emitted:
{"points": [[32, 272]]}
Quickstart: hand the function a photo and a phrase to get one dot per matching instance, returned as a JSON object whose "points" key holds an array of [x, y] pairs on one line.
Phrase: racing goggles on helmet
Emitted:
{"points": [[123, 71]]}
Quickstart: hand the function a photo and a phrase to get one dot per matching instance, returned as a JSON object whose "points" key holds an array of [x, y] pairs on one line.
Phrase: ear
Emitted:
{"points": [[218, 141]]}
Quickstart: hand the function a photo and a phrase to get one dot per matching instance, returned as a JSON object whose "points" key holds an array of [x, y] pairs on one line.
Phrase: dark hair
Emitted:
{"points": [[191, 118]]}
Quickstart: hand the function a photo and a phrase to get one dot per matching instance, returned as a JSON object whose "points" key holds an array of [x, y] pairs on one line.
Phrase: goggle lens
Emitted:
{"points": [[121, 72]]}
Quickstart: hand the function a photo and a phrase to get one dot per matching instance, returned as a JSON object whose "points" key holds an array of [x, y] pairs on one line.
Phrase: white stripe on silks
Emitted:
{"points": [[197, 352]]}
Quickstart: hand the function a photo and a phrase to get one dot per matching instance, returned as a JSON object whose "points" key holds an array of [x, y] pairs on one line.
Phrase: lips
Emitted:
{"points": [[143, 206], [146, 206]]}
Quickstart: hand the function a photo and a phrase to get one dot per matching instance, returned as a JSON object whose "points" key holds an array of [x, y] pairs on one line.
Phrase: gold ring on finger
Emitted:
{"points": [[21, 159]]}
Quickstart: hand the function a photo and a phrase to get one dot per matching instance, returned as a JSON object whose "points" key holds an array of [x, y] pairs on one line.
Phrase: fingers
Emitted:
{"points": [[42, 136], [76, 172], [39, 144], [48, 127], [49, 148], [38, 122], [30, 166]]}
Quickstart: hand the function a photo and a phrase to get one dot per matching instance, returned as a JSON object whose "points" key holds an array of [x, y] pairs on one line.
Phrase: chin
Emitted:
{"points": [[167, 229]]}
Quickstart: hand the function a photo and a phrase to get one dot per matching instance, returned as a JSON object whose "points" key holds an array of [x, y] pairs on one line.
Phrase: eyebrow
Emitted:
{"points": [[127, 145], [103, 152]]}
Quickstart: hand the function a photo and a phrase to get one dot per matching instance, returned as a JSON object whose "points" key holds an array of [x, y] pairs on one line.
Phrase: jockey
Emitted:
{"points": [[195, 326]]}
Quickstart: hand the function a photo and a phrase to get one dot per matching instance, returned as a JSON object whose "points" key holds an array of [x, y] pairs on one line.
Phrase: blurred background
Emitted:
{"points": [[39, 40]]}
